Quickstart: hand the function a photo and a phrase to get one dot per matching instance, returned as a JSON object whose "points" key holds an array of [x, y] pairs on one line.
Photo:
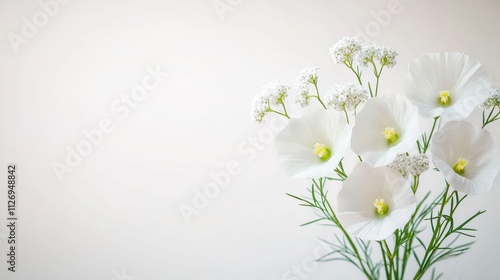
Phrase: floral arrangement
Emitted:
{"points": [[384, 221]]}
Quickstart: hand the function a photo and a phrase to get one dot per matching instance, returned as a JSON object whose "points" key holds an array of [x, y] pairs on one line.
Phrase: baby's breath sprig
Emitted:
{"points": [[492, 104], [273, 93]]}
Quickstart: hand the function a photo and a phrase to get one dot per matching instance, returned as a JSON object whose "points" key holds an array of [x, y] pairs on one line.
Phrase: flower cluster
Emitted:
{"points": [[414, 165], [260, 106], [386, 56], [346, 96], [345, 49], [352, 54], [276, 92], [306, 77], [370, 54], [418, 164], [493, 100], [401, 164], [273, 93], [377, 200]]}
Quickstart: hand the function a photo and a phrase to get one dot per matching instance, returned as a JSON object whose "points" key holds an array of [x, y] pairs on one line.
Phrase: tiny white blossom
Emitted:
{"points": [[306, 77], [367, 54], [345, 49], [386, 56], [272, 93], [401, 164], [260, 106], [276, 91], [418, 164], [493, 100], [303, 96], [346, 96]]}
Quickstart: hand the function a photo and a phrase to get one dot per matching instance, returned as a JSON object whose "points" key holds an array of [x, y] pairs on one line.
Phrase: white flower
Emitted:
{"points": [[418, 164], [276, 91], [387, 126], [272, 93], [467, 156], [374, 202], [260, 106], [493, 100], [385, 56], [414, 165], [449, 84], [345, 49], [346, 96], [306, 77], [302, 96], [367, 54], [312, 146], [401, 164]]}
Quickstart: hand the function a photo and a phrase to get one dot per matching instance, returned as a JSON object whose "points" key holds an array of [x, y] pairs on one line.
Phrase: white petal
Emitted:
{"points": [[295, 144], [358, 194], [463, 76], [461, 139], [379, 113]]}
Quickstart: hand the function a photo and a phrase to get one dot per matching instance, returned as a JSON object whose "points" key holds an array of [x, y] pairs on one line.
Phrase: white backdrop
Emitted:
{"points": [[163, 90]]}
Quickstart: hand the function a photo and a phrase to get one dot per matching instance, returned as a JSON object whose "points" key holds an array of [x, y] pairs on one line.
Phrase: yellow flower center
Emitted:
{"points": [[322, 152], [459, 167], [390, 135], [444, 98], [381, 208]]}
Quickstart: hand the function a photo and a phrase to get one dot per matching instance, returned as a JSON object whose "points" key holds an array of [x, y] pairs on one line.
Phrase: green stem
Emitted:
{"points": [[345, 112], [378, 78], [318, 96], [357, 73], [284, 114], [386, 268], [426, 145], [416, 181], [490, 119], [422, 148], [279, 113], [431, 248], [390, 256]]}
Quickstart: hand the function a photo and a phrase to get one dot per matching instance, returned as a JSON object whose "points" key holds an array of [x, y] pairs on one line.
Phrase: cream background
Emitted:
{"points": [[119, 209]]}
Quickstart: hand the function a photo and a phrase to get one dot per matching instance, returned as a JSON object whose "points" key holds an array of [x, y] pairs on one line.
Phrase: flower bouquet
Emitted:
{"points": [[384, 221]]}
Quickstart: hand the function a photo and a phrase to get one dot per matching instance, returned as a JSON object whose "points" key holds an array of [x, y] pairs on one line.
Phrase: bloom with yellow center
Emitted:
{"points": [[387, 126], [466, 155], [449, 84], [374, 202], [313, 145]]}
